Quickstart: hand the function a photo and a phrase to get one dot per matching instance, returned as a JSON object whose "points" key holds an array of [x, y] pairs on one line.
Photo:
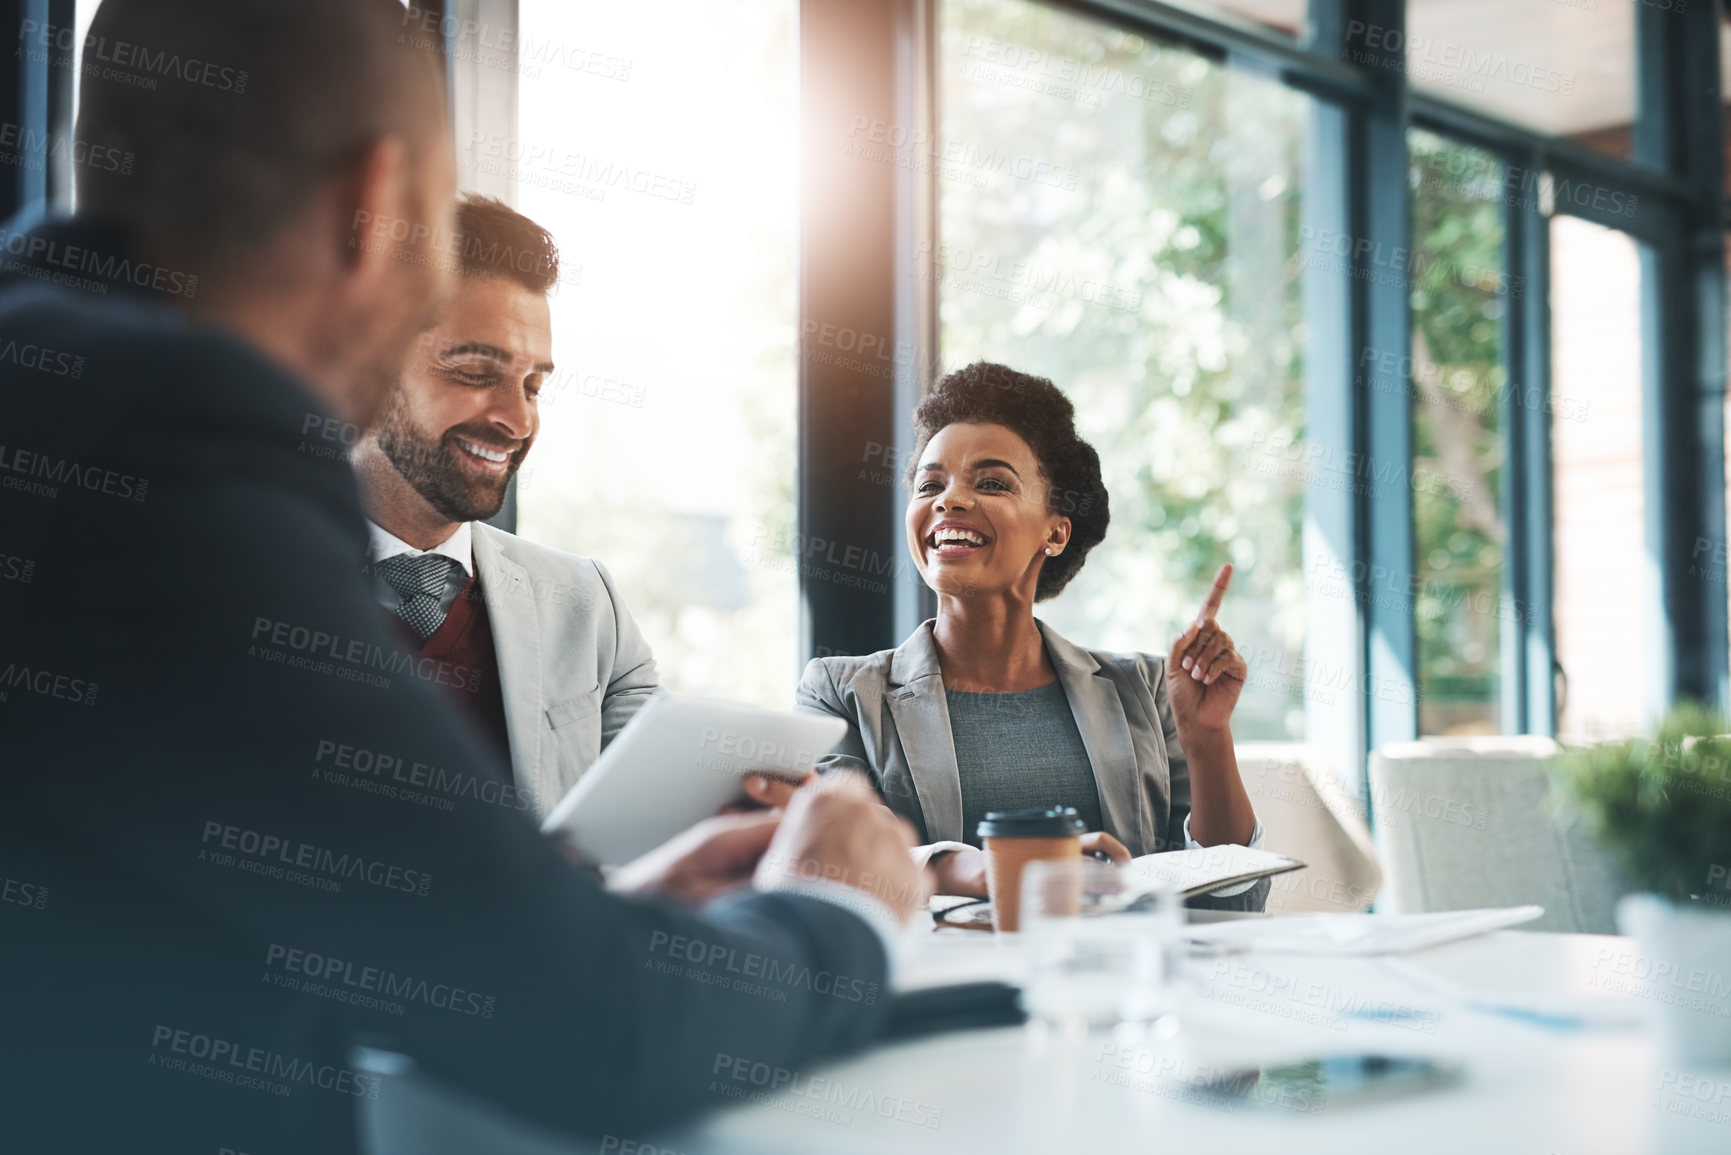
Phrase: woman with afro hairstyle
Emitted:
{"points": [[987, 708]]}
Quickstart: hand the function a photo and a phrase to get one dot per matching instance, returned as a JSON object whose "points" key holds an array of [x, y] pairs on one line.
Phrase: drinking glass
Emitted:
{"points": [[1099, 948]]}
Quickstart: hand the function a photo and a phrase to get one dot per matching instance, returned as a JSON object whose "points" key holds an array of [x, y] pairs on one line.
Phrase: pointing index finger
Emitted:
{"points": [[1216, 594]]}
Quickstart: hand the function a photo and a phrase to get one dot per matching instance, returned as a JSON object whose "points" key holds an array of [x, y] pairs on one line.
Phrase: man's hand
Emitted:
{"points": [[1204, 672], [835, 829], [772, 791], [713, 857]]}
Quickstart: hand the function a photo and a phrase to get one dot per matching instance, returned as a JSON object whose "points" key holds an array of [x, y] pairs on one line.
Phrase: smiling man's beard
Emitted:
{"points": [[431, 467]]}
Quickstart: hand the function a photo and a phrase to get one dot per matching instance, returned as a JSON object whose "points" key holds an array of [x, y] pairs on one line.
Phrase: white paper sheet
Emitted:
{"points": [[1360, 934]]}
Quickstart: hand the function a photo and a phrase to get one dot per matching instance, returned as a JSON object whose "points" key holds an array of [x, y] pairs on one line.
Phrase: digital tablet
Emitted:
{"points": [[679, 761]]}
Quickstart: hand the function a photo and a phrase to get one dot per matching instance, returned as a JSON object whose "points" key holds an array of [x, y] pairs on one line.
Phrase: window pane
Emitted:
{"points": [[1562, 67], [1725, 92], [667, 443], [83, 12], [1142, 253], [1604, 578], [1460, 294], [1286, 17]]}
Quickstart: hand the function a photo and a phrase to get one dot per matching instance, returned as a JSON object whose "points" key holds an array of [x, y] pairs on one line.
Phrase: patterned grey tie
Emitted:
{"points": [[420, 583]]}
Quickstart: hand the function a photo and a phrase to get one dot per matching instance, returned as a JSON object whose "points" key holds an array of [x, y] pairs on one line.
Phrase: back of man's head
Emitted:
{"points": [[237, 111]]}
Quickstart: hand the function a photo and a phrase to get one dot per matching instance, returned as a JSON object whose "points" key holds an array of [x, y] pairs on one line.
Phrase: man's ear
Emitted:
{"points": [[376, 206]]}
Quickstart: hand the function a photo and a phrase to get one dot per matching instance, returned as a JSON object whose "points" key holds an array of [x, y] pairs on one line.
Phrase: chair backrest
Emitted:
{"points": [[1465, 823], [418, 1114], [1308, 812]]}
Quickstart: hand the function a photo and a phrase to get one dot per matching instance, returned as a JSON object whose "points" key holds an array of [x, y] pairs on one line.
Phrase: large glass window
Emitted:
{"points": [[1606, 586], [1710, 554], [666, 167], [1286, 17], [1725, 94], [1461, 294], [83, 12], [1561, 67], [1133, 234]]}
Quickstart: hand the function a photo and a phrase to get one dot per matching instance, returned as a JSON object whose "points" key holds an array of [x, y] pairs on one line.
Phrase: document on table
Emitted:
{"points": [[1359, 934], [1205, 869], [1190, 872]]}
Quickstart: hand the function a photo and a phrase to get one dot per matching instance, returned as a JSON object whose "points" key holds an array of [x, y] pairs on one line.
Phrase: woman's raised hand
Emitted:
{"points": [[1204, 672]]}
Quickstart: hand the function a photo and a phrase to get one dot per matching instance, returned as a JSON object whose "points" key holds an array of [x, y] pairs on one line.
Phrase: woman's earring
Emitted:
{"points": [[1048, 551]]}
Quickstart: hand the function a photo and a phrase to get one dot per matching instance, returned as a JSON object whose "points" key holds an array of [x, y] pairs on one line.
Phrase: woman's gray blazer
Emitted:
{"points": [[899, 735]]}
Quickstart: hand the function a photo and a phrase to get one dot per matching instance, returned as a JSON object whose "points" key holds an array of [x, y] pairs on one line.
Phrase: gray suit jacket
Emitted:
{"points": [[573, 666], [899, 735]]}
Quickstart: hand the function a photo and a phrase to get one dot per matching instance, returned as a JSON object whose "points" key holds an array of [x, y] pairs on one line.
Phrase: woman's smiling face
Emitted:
{"points": [[979, 519]]}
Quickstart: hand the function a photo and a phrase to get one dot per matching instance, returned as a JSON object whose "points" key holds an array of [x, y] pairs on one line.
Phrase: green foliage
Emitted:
{"points": [[1460, 293], [1193, 209], [1660, 805], [1189, 377]]}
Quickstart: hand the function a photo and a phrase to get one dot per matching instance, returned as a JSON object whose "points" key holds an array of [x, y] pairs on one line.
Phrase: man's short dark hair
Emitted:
{"points": [[499, 241], [1037, 411], [236, 111]]}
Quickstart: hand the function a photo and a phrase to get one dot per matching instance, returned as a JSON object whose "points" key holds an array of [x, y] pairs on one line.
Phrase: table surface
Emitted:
{"points": [[1545, 1085]]}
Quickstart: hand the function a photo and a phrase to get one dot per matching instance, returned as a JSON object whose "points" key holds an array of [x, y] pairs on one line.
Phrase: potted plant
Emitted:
{"points": [[1662, 807]]}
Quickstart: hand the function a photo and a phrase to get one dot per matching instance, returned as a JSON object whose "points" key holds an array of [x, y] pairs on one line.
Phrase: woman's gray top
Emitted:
{"points": [[899, 734], [1018, 750]]}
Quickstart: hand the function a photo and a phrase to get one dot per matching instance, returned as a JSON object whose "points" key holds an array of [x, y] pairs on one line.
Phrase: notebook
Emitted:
{"points": [[1206, 869], [1192, 873]]}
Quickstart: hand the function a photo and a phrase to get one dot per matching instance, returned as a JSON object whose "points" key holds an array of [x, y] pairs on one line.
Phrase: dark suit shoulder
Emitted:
{"points": [[172, 434], [158, 337], [136, 361], [127, 384]]}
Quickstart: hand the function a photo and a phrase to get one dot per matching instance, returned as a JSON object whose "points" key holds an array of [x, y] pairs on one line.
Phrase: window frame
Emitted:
{"points": [[38, 100]]}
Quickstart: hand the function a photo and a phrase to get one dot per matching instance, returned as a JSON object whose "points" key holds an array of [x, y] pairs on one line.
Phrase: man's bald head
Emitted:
{"points": [[237, 112]]}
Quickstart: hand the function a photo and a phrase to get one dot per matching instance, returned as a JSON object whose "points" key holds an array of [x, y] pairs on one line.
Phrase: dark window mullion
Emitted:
{"points": [[1517, 571], [1679, 134], [1382, 226], [1532, 553], [851, 67]]}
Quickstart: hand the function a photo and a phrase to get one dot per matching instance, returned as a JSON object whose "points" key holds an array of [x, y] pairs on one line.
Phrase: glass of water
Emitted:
{"points": [[1099, 950]]}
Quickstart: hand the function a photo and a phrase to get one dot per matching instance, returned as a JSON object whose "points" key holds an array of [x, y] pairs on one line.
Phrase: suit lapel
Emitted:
{"points": [[1099, 713], [517, 651], [922, 721]]}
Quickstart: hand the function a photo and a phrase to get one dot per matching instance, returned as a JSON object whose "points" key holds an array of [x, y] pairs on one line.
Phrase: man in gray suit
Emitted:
{"points": [[534, 644]]}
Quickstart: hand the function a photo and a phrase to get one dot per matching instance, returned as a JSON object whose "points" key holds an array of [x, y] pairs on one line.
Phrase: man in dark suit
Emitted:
{"points": [[238, 831]]}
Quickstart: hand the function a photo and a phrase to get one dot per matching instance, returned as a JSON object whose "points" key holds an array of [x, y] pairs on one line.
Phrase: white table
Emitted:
{"points": [[1530, 1089]]}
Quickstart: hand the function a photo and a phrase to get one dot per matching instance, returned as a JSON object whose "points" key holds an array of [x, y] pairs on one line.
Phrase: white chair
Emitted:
{"points": [[1308, 812], [1466, 823], [418, 1114]]}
